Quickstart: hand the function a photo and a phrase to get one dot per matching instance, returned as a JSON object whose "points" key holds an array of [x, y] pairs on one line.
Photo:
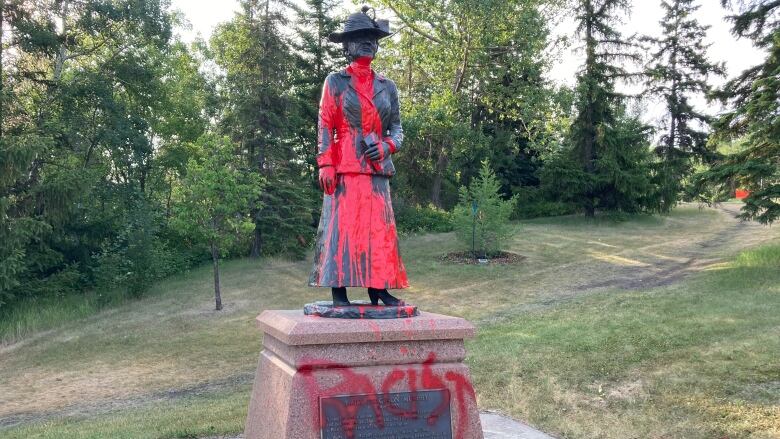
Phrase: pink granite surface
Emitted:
{"points": [[366, 354], [294, 328], [307, 358]]}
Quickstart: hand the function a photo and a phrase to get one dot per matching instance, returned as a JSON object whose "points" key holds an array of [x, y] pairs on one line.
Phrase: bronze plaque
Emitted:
{"points": [[420, 414]]}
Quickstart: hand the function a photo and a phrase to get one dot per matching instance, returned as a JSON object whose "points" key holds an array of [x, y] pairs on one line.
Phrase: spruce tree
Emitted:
{"points": [[315, 57], [609, 171], [677, 72], [754, 118], [258, 62]]}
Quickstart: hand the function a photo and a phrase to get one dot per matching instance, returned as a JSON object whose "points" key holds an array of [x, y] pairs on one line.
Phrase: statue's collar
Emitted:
{"points": [[378, 76]]}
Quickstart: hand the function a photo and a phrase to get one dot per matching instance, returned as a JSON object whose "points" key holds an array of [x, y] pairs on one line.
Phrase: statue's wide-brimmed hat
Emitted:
{"points": [[361, 22]]}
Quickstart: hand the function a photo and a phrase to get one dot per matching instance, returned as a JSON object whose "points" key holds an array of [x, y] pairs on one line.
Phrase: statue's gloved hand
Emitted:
{"points": [[328, 179], [377, 149]]}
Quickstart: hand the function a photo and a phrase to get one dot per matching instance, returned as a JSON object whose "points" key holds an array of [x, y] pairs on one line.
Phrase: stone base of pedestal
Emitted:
{"points": [[321, 378]]}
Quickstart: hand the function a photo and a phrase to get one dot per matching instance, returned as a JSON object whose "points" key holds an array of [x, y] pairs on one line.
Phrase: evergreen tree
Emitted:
{"points": [[609, 174], [754, 119], [481, 217], [623, 170], [678, 71], [315, 58], [258, 104]]}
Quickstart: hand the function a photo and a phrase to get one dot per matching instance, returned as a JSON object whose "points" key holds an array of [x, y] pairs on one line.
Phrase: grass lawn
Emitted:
{"points": [[658, 327]]}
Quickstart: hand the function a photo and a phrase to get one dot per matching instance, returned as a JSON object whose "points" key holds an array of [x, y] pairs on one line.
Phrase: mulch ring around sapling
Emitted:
{"points": [[468, 257]]}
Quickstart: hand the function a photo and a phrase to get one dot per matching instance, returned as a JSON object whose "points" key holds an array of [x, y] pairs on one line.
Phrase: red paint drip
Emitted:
{"points": [[431, 381], [462, 386], [376, 330]]}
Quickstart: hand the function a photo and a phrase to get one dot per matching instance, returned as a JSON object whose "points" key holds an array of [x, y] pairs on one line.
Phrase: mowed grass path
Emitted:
{"points": [[659, 327]]}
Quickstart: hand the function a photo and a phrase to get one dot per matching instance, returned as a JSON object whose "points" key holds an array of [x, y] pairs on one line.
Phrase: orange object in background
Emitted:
{"points": [[741, 194]]}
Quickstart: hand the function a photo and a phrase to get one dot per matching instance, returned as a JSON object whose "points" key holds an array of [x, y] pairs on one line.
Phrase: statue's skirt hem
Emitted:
{"points": [[357, 242]]}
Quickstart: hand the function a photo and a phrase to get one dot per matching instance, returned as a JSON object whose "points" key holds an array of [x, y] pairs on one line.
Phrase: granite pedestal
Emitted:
{"points": [[362, 379]]}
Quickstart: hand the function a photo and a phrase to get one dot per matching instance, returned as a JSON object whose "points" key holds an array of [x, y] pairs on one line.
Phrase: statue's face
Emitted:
{"points": [[363, 44]]}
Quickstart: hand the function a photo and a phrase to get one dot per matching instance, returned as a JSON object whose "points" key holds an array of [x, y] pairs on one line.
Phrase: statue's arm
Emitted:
{"points": [[325, 126], [396, 137]]}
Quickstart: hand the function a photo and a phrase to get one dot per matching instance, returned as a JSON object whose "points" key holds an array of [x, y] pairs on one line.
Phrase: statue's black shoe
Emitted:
{"points": [[339, 296], [388, 299]]}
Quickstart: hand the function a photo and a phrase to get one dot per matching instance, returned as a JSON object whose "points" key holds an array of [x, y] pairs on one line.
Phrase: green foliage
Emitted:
{"points": [[138, 254], [622, 176], [486, 229], [436, 139], [422, 219], [607, 146], [268, 111], [754, 118], [214, 198], [624, 168], [532, 202], [79, 115], [471, 77], [679, 70], [285, 221]]}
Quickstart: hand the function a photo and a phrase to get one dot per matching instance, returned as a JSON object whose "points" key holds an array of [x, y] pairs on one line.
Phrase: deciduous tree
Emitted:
{"points": [[213, 201]]}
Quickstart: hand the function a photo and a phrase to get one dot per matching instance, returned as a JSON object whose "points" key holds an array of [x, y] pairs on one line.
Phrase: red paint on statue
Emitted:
{"points": [[359, 226], [376, 330], [363, 80], [431, 381], [463, 387], [359, 242], [358, 386], [394, 377]]}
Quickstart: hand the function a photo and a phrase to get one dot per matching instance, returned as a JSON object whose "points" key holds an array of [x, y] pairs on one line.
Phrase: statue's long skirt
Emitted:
{"points": [[357, 243]]}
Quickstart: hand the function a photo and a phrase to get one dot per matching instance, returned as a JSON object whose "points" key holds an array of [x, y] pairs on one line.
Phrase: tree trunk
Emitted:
{"points": [[588, 152], [217, 292], [168, 197], [59, 61], [2, 78], [410, 64], [257, 242], [461, 71], [438, 177]]}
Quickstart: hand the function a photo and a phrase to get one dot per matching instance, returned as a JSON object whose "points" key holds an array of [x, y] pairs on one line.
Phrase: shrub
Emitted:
{"points": [[543, 208], [418, 219], [481, 217], [532, 203]]}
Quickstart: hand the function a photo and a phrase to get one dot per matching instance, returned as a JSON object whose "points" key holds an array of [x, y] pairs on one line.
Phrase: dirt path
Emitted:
{"points": [[699, 255], [662, 263]]}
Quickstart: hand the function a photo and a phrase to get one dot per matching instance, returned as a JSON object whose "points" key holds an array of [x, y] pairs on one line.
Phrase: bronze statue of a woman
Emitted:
{"points": [[359, 130]]}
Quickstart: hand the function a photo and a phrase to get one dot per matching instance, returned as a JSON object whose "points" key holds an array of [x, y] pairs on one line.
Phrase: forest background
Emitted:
{"points": [[127, 155]]}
